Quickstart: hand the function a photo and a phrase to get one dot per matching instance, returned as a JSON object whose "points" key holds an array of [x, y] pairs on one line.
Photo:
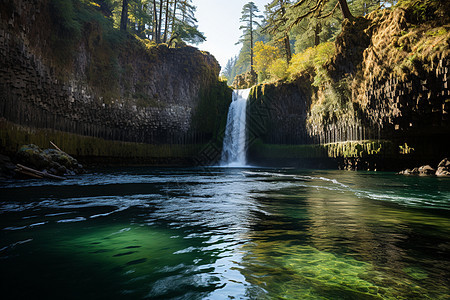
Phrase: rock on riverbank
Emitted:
{"points": [[48, 161], [443, 169]]}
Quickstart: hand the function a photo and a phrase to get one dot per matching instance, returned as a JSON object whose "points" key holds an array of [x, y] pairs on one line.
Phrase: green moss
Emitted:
{"points": [[12, 137], [211, 112], [416, 273]]}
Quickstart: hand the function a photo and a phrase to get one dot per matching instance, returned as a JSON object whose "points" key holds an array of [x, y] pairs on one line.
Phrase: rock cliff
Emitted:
{"points": [[89, 80], [388, 80]]}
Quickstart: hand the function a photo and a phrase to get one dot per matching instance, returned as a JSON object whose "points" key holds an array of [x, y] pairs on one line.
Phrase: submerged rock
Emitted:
{"points": [[52, 161]]}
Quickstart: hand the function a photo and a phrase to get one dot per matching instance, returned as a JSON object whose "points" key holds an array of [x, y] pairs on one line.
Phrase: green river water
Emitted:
{"points": [[147, 233]]}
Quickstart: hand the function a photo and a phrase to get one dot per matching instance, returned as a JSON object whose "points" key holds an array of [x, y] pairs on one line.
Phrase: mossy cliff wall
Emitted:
{"points": [[388, 81], [77, 75]]}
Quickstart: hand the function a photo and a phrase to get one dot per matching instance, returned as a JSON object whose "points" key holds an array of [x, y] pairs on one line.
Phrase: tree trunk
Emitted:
{"points": [[166, 25], [345, 10], [251, 40], [287, 47], [316, 34], [161, 3], [174, 15], [155, 22], [287, 43], [124, 16]]}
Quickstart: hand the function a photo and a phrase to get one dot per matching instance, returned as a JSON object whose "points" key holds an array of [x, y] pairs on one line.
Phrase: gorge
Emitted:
{"points": [[175, 185]]}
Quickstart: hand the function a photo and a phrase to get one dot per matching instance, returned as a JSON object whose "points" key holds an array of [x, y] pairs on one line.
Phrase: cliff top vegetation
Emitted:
{"points": [[406, 35]]}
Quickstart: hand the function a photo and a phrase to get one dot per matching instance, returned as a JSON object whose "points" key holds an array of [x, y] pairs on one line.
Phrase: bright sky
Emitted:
{"points": [[219, 21]]}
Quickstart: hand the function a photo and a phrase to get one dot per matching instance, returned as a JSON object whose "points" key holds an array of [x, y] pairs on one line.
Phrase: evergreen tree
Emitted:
{"points": [[228, 69], [317, 28], [249, 18], [319, 9], [276, 24], [184, 23]]}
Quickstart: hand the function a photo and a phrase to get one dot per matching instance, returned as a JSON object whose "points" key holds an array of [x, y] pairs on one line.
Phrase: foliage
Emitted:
{"points": [[265, 55], [427, 10], [312, 59], [278, 69], [158, 20], [229, 69], [249, 18], [64, 15], [276, 25], [405, 149]]}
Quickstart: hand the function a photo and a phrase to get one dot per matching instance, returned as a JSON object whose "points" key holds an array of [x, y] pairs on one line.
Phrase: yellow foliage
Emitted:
{"points": [[278, 69], [265, 55], [312, 59]]}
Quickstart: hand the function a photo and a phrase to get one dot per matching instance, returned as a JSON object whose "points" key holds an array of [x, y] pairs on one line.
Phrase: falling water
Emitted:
{"points": [[234, 148]]}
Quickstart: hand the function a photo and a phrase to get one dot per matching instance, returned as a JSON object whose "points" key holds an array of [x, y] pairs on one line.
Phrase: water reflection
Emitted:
{"points": [[219, 233]]}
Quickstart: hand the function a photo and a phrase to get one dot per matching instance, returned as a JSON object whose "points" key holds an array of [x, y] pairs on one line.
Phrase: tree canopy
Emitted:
{"points": [[157, 20], [250, 20], [292, 27]]}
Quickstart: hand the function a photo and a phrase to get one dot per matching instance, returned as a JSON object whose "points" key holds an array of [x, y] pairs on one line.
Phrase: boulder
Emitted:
{"points": [[32, 156], [426, 170], [443, 168], [51, 161], [445, 163], [441, 171], [405, 172], [414, 171]]}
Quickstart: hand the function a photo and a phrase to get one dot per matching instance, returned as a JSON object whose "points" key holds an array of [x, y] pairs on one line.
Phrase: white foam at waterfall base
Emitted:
{"points": [[234, 143]]}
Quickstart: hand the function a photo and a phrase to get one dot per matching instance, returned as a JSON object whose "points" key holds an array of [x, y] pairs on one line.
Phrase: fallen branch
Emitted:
{"points": [[37, 174], [56, 147]]}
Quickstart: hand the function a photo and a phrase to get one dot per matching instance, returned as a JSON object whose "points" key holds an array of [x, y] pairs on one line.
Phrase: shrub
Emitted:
{"points": [[312, 59], [278, 69], [265, 55]]}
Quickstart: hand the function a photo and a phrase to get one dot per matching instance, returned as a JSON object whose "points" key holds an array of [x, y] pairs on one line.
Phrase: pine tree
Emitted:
{"points": [[249, 18], [318, 9], [228, 69], [276, 24]]}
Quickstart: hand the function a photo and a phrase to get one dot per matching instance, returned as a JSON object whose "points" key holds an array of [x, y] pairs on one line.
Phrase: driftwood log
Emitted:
{"points": [[36, 174]]}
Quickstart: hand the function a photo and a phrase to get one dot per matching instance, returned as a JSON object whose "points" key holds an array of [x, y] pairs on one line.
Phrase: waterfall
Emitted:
{"points": [[234, 142]]}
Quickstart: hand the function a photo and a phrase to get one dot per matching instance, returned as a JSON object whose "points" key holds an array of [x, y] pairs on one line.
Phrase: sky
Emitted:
{"points": [[219, 21]]}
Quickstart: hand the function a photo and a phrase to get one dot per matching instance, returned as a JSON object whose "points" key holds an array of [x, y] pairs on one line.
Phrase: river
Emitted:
{"points": [[218, 233]]}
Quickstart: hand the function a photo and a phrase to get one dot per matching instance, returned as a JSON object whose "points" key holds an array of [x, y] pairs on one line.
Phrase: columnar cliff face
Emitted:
{"points": [[389, 79], [104, 84]]}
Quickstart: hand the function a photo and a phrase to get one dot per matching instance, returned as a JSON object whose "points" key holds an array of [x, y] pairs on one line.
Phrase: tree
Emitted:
{"points": [[159, 20], [249, 17], [317, 28], [228, 69], [265, 55], [124, 16], [318, 9], [156, 23], [184, 23], [276, 22]]}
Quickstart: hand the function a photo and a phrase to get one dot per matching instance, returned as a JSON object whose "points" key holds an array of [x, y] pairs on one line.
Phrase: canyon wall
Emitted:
{"points": [[98, 83], [388, 81]]}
